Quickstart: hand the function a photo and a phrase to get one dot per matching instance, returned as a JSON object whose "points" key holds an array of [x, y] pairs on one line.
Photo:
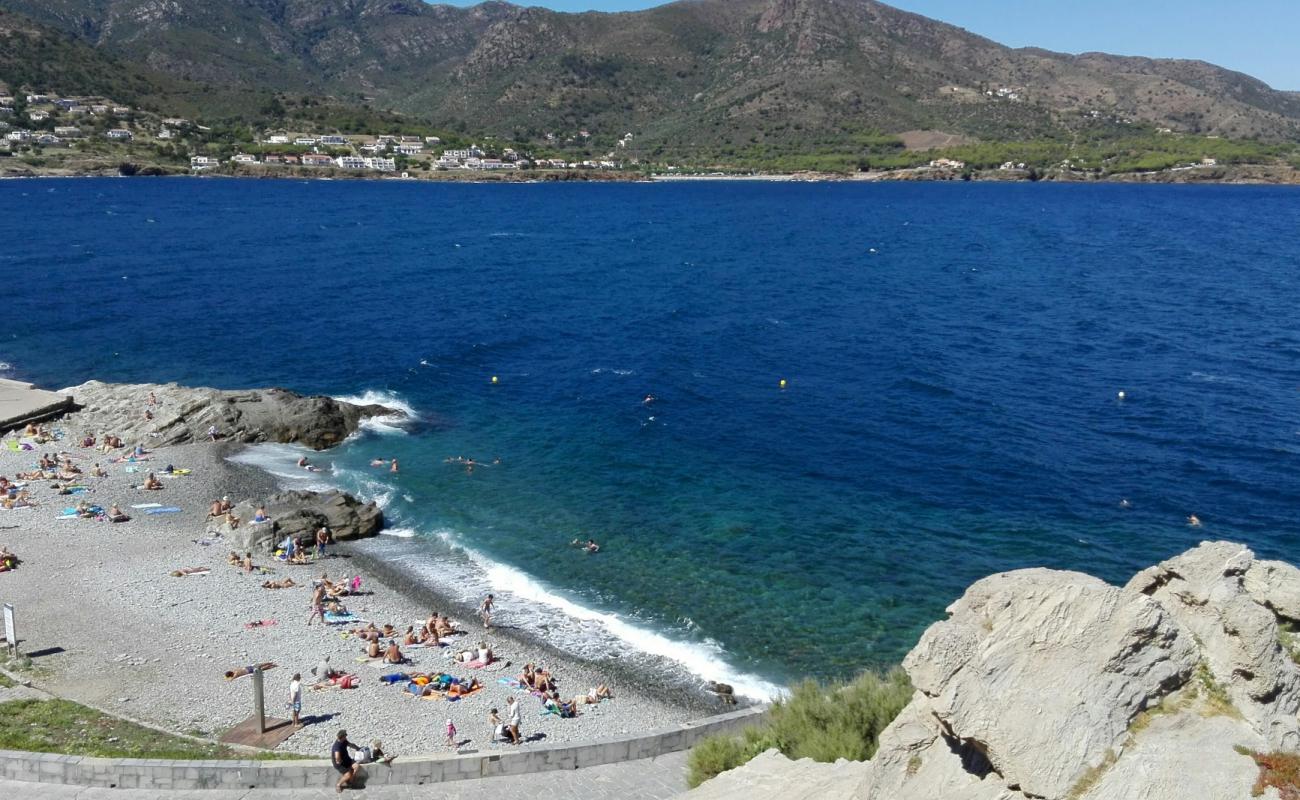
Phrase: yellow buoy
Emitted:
{"points": [[783, 383], [495, 379]]}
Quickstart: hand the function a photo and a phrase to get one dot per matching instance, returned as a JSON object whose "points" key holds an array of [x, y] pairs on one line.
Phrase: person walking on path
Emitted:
{"points": [[295, 699], [513, 718], [343, 762], [485, 611], [317, 604]]}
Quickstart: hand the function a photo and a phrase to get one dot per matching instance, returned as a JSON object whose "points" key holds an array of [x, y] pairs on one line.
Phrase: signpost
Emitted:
{"points": [[11, 633]]}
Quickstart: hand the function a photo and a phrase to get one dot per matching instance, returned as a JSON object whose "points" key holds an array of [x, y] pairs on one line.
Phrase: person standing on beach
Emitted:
{"points": [[513, 718], [498, 727], [451, 733], [295, 699], [322, 539], [343, 761], [485, 611], [317, 604]]}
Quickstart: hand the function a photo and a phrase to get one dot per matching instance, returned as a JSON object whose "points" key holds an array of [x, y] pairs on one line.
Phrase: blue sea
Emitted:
{"points": [[953, 358]]}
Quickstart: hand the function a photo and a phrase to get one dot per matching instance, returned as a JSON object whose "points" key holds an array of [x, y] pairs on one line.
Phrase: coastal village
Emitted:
{"points": [[42, 131], [33, 123]]}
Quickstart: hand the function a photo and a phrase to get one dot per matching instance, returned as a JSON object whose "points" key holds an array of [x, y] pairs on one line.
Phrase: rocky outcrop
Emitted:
{"points": [[183, 415], [1205, 591], [300, 514], [771, 774], [1046, 684]]}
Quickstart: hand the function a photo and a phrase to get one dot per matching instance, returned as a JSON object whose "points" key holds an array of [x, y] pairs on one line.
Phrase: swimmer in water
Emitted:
{"points": [[649, 399], [393, 468], [378, 462], [1125, 503], [591, 546], [1193, 520]]}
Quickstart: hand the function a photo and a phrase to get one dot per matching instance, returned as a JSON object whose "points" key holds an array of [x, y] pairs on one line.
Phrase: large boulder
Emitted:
{"points": [[300, 514], [1205, 590], [183, 415], [1039, 673]]}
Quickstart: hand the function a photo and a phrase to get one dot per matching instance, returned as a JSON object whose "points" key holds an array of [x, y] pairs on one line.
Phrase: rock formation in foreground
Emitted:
{"points": [[183, 415], [1046, 684], [300, 514]]}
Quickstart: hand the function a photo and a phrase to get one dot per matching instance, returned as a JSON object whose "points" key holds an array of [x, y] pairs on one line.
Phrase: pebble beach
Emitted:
{"points": [[108, 625]]}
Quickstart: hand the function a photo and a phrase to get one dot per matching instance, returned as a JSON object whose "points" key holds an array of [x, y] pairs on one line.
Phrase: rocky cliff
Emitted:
{"points": [[1046, 684], [181, 415]]}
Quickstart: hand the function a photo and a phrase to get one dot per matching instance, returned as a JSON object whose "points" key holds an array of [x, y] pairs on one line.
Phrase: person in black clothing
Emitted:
{"points": [[343, 761]]}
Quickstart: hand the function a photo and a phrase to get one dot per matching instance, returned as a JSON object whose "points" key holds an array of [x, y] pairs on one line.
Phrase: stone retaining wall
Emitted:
{"points": [[136, 773]]}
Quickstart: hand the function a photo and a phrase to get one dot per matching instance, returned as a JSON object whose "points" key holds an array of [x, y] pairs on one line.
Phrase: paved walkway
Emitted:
{"points": [[20, 402], [648, 779]]}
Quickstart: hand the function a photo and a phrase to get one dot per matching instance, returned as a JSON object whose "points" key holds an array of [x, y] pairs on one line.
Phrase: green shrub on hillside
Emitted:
{"points": [[817, 721]]}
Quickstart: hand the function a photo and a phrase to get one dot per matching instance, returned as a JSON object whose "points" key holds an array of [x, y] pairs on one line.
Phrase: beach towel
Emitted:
{"points": [[207, 541], [67, 516], [341, 619], [147, 505], [261, 623], [167, 510], [451, 698], [185, 572], [395, 677]]}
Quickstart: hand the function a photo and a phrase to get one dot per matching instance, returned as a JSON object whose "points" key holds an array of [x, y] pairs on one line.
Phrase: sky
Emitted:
{"points": [[1258, 37]]}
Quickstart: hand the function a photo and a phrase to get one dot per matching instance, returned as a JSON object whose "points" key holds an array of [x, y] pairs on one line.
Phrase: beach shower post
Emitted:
{"points": [[259, 701]]}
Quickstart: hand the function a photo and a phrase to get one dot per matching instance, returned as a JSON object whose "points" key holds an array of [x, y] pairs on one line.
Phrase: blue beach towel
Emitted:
{"points": [[167, 510]]}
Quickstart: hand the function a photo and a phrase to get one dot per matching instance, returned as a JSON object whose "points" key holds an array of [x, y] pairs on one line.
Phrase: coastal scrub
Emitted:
{"points": [[817, 721]]}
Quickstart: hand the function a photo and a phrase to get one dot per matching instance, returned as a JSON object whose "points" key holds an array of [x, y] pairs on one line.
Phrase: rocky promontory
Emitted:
{"points": [[299, 514], [1184, 683], [180, 415]]}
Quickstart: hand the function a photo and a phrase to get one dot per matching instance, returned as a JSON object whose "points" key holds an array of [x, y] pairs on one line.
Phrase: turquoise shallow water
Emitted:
{"points": [[953, 354]]}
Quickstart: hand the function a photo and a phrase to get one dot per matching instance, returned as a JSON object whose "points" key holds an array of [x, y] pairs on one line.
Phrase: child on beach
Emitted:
{"points": [[451, 733], [295, 699]]}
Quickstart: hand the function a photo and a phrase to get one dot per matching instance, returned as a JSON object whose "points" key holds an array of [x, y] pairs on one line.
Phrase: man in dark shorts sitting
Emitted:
{"points": [[343, 761]]}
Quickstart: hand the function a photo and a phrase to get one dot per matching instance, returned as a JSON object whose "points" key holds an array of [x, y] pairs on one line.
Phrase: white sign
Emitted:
{"points": [[11, 633]]}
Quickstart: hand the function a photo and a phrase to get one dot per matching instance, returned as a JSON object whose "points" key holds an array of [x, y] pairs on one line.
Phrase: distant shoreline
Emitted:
{"points": [[1240, 175]]}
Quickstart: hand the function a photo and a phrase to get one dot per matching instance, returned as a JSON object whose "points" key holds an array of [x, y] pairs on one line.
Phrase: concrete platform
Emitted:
{"points": [[21, 403]]}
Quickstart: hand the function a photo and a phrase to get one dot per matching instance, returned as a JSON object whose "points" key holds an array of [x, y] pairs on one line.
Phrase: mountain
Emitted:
{"points": [[716, 76]]}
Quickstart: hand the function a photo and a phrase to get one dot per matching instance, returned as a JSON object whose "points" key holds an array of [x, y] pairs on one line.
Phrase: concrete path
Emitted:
{"points": [[648, 779], [21, 402]]}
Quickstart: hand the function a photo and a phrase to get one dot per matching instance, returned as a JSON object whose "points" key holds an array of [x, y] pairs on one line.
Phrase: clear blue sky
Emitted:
{"points": [[1258, 37]]}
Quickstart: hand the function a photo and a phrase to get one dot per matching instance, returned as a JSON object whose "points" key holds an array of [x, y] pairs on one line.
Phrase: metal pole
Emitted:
{"points": [[259, 702]]}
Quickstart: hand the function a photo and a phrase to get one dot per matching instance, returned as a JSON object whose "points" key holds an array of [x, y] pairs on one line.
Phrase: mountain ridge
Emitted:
{"points": [[716, 76]]}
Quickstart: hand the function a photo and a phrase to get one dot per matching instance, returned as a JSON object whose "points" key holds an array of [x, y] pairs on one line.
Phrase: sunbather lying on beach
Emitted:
{"points": [[116, 514], [88, 441], [287, 583], [338, 682], [8, 560], [184, 571], [598, 693], [97, 471], [239, 672], [151, 483]]}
